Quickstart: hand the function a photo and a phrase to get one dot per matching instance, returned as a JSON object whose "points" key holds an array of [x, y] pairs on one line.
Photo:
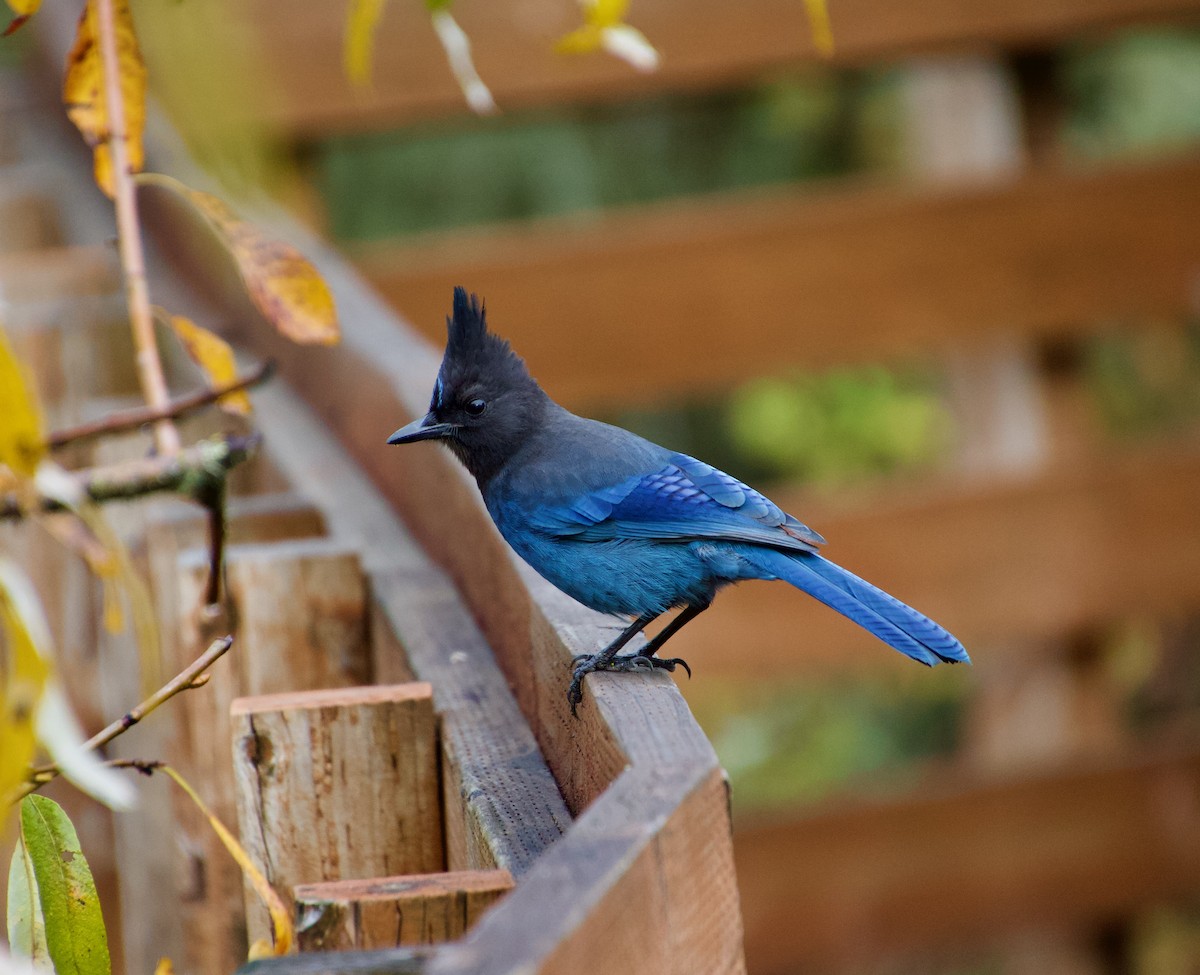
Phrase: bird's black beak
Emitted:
{"points": [[426, 428]]}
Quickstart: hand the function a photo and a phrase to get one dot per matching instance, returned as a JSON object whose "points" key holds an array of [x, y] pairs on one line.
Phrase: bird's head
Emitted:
{"points": [[485, 404]]}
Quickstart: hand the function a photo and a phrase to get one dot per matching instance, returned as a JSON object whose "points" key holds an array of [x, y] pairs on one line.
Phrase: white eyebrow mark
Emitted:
{"points": [[437, 393]]}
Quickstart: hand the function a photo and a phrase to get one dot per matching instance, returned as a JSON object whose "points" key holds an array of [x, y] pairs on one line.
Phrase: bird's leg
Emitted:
{"points": [[678, 623], [587, 663]]}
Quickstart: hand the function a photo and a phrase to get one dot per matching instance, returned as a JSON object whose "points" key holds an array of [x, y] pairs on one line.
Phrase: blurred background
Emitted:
{"points": [[937, 296]]}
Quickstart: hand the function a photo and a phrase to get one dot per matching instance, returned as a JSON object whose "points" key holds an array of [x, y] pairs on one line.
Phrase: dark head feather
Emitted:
{"points": [[472, 351]]}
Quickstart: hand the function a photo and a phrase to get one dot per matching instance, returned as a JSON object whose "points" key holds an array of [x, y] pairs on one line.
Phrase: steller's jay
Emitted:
{"points": [[621, 524]]}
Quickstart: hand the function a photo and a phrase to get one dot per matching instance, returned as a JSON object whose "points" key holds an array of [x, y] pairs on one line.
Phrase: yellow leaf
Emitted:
{"points": [[281, 921], [164, 967], [83, 90], [22, 442], [24, 9], [361, 25], [582, 40], [214, 356], [818, 19], [282, 283], [23, 676]]}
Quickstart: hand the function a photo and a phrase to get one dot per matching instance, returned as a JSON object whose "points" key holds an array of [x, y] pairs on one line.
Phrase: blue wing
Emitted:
{"points": [[687, 499]]}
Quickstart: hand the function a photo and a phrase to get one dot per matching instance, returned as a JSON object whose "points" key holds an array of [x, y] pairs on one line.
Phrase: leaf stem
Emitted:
{"points": [[133, 261]]}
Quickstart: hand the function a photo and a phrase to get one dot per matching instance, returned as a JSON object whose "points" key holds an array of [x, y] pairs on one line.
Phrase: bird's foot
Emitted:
{"points": [[585, 664]]}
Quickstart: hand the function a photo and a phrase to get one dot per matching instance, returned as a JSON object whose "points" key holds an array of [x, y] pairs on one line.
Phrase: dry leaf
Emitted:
{"points": [[215, 357], [22, 442], [281, 922], [281, 282], [83, 90], [24, 9], [361, 25], [818, 19]]}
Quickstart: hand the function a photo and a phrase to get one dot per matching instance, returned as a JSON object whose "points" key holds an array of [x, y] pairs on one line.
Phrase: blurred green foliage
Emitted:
{"points": [[542, 163], [791, 742], [1133, 94]]}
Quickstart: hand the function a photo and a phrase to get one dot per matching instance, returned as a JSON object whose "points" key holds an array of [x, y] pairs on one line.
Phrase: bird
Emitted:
{"points": [[623, 525]]}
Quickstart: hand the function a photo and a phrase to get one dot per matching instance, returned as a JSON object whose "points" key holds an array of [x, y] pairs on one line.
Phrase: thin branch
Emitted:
{"points": [[185, 680], [192, 472], [194, 675], [133, 261], [127, 420]]}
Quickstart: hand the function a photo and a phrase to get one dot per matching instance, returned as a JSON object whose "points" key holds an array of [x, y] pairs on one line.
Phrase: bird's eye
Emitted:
{"points": [[475, 407]]}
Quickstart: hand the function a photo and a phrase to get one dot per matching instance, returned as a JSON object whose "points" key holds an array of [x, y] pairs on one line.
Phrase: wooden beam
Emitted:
{"points": [[676, 297], [704, 44], [955, 867], [387, 912], [338, 784], [1023, 558]]}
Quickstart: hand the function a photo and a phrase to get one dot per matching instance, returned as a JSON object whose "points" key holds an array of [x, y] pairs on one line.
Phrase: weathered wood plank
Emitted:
{"points": [[298, 613], [337, 784], [704, 44], [391, 911], [833, 890], [805, 278]]}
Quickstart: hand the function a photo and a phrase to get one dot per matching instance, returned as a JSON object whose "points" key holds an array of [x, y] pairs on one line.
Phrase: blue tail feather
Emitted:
{"points": [[881, 614]]}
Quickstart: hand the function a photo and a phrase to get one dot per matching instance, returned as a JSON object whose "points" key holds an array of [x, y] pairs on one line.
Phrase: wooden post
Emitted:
{"points": [[298, 613], [393, 911], [336, 785]]}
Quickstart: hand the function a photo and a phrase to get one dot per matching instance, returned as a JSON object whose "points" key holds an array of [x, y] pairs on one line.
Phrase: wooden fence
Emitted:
{"points": [[1041, 536]]}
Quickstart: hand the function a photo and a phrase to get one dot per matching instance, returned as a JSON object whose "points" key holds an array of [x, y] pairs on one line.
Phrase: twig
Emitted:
{"points": [[133, 261], [192, 472], [133, 419], [191, 676], [183, 681]]}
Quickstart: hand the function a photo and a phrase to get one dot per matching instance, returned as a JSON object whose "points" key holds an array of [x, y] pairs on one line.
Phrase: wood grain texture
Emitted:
{"points": [[704, 44], [790, 278], [392, 911], [834, 888], [297, 610], [337, 784]]}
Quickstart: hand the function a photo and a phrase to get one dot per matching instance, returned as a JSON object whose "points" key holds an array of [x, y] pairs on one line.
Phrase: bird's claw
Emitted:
{"points": [[585, 663]]}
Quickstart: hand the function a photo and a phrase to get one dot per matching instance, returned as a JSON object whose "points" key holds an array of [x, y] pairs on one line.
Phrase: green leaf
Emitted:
{"points": [[57, 895], [26, 928]]}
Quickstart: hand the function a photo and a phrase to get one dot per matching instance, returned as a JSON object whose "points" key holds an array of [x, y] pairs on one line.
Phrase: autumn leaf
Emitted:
{"points": [[361, 25], [604, 28], [22, 441], [215, 358], [83, 90], [282, 933], [282, 283], [818, 19], [23, 9], [23, 676]]}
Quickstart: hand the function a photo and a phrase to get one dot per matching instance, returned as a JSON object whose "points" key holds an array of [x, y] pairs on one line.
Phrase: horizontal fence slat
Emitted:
{"points": [[704, 44], [840, 888], [675, 297]]}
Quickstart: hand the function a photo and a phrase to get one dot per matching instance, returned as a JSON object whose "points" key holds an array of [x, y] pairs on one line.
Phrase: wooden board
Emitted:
{"points": [[704, 44], [338, 784], [601, 306], [950, 867], [390, 911]]}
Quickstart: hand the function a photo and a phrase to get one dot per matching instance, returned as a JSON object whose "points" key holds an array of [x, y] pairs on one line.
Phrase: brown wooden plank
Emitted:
{"points": [[297, 610], [1026, 558], [839, 888], [614, 306], [338, 784], [704, 43], [390, 911]]}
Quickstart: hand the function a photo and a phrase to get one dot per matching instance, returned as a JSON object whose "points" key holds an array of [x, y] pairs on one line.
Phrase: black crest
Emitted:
{"points": [[471, 350]]}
